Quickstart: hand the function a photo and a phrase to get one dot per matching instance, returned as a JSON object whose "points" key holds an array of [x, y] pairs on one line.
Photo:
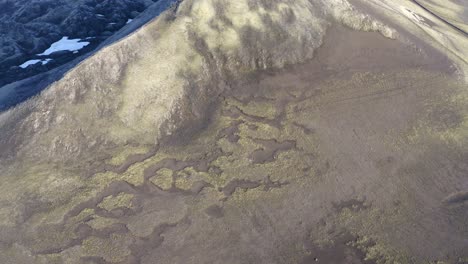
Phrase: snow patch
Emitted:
{"points": [[32, 62], [66, 44]]}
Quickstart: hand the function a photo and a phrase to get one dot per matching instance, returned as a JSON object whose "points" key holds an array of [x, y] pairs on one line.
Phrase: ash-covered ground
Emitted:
{"points": [[277, 131]]}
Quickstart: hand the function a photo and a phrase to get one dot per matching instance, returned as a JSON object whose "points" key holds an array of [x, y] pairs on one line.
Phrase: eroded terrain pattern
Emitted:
{"points": [[291, 167], [357, 155]]}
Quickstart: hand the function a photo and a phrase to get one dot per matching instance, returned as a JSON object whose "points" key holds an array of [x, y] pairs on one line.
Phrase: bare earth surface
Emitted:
{"points": [[357, 155]]}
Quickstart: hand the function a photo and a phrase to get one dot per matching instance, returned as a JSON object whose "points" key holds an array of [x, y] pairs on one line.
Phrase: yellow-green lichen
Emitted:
{"points": [[115, 201], [379, 253], [115, 249], [183, 182], [163, 179], [99, 222], [127, 151]]}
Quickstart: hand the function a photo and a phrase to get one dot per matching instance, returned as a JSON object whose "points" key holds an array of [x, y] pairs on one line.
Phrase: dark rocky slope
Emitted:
{"points": [[28, 27], [44, 75]]}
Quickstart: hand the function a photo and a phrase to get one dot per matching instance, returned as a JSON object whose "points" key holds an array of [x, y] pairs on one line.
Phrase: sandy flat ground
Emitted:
{"points": [[453, 11]]}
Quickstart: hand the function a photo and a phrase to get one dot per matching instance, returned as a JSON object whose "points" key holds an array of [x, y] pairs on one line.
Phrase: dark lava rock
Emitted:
{"points": [[28, 27], [134, 14], [106, 33]]}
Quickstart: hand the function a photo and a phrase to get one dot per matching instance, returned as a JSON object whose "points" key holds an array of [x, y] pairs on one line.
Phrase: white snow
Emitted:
{"points": [[65, 44], [129, 20], [32, 62]]}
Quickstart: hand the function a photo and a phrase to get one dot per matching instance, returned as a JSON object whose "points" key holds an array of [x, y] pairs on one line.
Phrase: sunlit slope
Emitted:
{"points": [[164, 76]]}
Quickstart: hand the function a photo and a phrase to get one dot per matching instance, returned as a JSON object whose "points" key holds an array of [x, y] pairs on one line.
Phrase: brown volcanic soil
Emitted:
{"points": [[358, 156]]}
